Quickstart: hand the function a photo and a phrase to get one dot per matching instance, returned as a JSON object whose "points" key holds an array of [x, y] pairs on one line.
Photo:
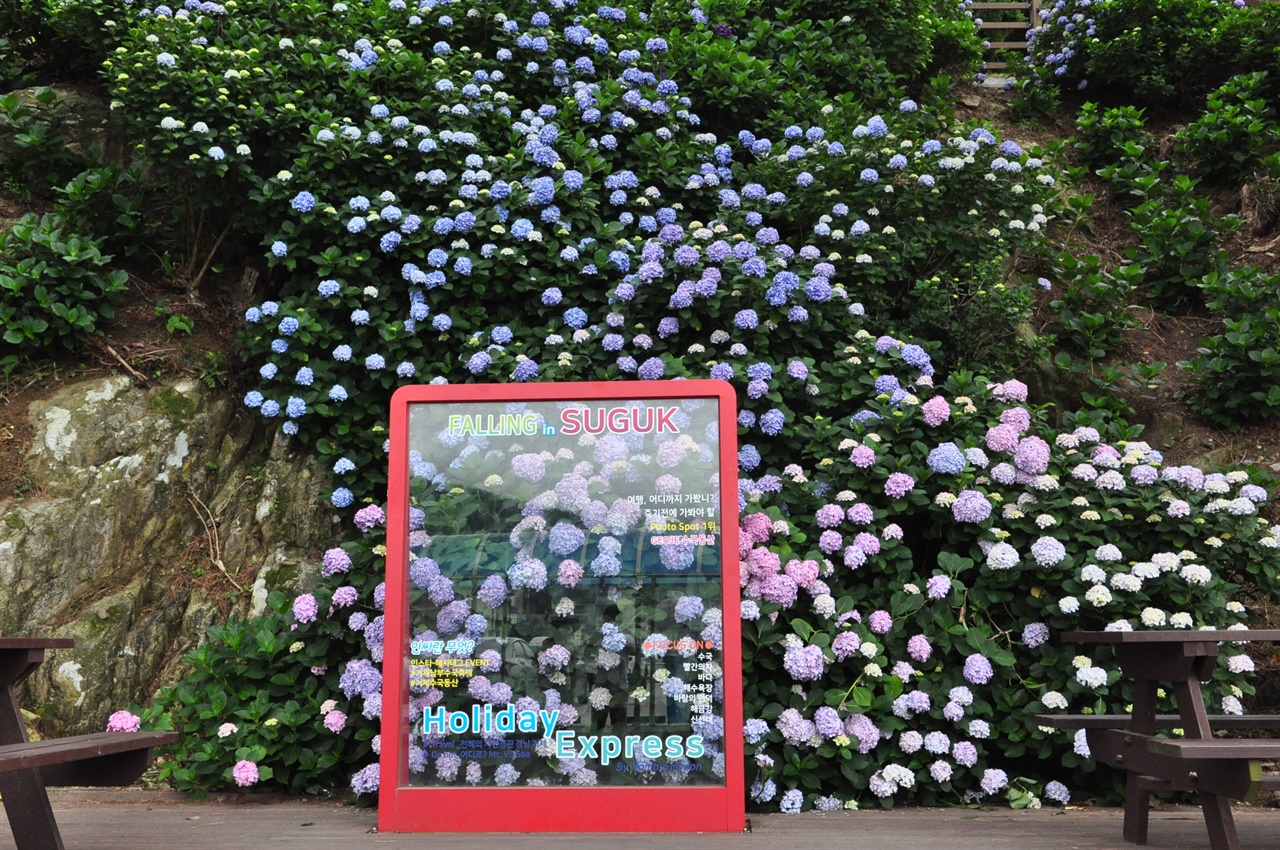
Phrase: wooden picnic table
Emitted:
{"points": [[1219, 769], [28, 767]]}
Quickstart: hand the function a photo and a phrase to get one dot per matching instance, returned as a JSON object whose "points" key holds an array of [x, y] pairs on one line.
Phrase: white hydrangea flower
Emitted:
{"points": [[1153, 617], [1098, 596], [1240, 664], [1091, 677], [1126, 582], [1093, 574], [1196, 574], [1054, 700]]}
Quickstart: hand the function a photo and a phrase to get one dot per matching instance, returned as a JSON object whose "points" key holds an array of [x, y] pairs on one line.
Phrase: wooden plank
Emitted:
{"points": [[983, 6], [14, 757], [35, 643], [1215, 748], [1163, 721], [1005, 25], [1007, 45], [1236, 778], [1174, 636]]}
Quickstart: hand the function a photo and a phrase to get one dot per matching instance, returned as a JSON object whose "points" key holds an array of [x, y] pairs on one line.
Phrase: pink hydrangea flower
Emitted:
{"points": [[881, 621], [899, 485], [862, 457], [124, 721], [1003, 438], [369, 516], [335, 721], [1018, 417], [305, 608], [335, 561], [245, 773], [1011, 390], [935, 411]]}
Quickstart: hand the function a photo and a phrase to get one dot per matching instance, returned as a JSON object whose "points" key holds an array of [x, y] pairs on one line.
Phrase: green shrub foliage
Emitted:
{"points": [[54, 286], [1238, 371], [1237, 131], [1169, 52]]}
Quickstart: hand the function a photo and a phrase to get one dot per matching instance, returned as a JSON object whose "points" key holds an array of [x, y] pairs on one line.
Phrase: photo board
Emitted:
{"points": [[562, 646]]}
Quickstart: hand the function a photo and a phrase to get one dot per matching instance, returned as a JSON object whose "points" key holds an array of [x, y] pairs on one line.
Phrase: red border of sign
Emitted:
{"points": [[403, 808]]}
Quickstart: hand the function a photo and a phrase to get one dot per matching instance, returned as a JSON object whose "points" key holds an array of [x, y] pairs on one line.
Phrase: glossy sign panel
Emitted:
{"points": [[562, 649]]}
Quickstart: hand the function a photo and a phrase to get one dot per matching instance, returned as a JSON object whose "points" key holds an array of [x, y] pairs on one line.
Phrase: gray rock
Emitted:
{"points": [[163, 511]]}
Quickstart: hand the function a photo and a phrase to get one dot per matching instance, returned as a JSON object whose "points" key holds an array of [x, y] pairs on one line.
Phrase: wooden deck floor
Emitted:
{"points": [[104, 820]]}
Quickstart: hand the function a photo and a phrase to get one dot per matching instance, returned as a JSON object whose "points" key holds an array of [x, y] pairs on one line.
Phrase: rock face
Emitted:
{"points": [[160, 512]]}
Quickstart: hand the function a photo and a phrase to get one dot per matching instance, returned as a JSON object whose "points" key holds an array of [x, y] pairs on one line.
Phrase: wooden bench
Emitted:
{"points": [[27, 767], [102, 758], [1217, 769], [1219, 722]]}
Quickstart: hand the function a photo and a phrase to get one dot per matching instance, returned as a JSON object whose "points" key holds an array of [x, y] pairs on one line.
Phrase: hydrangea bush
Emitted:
{"points": [[1188, 47], [481, 192]]}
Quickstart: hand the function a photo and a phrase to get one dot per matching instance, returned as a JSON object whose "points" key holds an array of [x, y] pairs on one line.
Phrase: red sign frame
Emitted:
{"points": [[655, 808]]}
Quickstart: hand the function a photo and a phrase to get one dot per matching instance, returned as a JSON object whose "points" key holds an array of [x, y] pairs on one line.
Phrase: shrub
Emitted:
{"points": [[1105, 137], [1237, 131], [1093, 309], [1187, 48], [1181, 242], [54, 286], [252, 693], [1238, 371], [107, 201], [34, 146]]}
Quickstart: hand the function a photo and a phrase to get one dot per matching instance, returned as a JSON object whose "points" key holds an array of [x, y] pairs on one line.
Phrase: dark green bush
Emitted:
{"points": [[1093, 309], [59, 38], [107, 202], [1181, 242], [54, 287], [1236, 132], [1107, 137], [1166, 52], [1238, 370], [34, 149], [252, 677]]}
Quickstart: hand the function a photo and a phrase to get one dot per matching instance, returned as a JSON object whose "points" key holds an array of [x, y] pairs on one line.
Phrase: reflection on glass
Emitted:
{"points": [[565, 589]]}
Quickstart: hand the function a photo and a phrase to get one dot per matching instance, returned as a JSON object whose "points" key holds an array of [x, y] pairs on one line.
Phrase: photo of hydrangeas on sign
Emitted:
{"points": [[500, 192]]}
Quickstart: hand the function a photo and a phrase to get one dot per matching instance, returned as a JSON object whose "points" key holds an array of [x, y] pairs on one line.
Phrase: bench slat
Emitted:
{"points": [[78, 748], [1163, 721], [1214, 748]]}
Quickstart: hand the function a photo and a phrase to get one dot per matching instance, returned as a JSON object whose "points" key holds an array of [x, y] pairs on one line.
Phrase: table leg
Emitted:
{"points": [[1137, 805], [1217, 817], [1217, 809], [26, 803], [1195, 718], [1137, 799]]}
